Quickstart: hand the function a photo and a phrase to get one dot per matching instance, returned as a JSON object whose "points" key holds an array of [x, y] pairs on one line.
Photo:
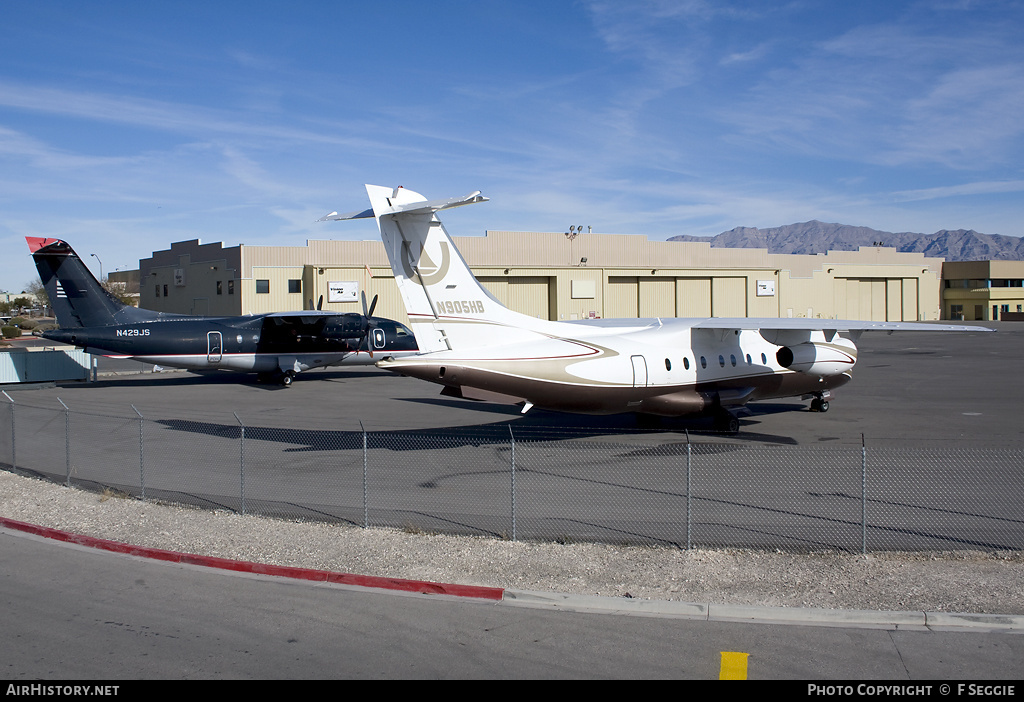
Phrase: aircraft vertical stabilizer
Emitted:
{"points": [[448, 308], [77, 298]]}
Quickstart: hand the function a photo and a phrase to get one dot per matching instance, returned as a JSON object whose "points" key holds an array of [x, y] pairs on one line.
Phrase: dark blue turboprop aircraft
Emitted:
{"points": [[275, 345]]}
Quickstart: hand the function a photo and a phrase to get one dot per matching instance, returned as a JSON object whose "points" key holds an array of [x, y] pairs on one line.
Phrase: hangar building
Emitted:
{"points": [[983, 290], [553, 276]]}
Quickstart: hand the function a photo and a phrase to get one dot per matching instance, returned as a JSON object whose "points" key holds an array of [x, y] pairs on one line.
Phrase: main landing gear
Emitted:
{"points": [[726, 422], [284, 378]]}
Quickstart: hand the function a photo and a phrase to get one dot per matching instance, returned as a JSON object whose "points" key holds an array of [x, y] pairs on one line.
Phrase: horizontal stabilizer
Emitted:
{"points": [[436, 205], [335, 217], [416, 207]]}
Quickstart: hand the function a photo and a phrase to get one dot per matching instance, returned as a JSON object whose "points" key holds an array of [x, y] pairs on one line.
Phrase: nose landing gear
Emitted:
{"points": [[820, 402]]}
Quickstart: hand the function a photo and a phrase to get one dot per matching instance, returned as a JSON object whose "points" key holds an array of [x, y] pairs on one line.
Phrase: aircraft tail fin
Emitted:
{"points": [[448, 308], [77, 298]]}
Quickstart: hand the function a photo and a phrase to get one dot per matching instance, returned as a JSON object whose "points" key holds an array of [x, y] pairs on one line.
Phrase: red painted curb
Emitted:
{"points": [[326, 576]]}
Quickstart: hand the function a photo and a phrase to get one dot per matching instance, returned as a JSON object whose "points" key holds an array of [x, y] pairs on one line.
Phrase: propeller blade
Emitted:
{"points": [[368, 322], [319, 304]]}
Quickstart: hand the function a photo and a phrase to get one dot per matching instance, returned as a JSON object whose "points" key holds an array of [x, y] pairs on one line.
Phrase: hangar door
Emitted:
{"points": [[628, 296], [877, 299], [622, 297], [729, 297], [675, 297], [525, 294], [693, 297]]}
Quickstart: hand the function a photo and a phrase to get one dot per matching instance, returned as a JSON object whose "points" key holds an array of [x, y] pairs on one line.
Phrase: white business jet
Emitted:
{"points": [[476, 347]]}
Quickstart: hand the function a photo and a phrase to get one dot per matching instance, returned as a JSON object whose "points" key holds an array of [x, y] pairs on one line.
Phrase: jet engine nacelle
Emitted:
{"points": [[819, 359]]}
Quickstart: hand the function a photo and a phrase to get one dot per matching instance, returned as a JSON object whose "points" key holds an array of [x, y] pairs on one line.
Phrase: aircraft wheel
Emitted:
{"points": [[727, 423], [818, 405], [287, 379]]}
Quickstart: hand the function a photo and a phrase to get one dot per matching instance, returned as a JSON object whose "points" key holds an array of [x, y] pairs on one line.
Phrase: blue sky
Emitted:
{"points": [[125, 126]]}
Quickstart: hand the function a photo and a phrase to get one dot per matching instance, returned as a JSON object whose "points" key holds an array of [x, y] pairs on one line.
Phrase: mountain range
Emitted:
{"points": [[818, 237]]}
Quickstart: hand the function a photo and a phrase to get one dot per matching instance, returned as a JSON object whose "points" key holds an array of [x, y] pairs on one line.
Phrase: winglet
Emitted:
{"points": [[37, 242]]}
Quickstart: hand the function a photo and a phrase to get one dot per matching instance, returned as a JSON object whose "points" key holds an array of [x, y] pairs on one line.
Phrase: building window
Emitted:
{"points": [[165, 291], [158, 291], [262, 287], [231, 287], [220, 287], [294, 286]]}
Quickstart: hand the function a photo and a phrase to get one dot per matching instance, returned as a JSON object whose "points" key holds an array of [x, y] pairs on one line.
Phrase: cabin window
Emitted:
{"points": [[262, 287], [294, 286], [748, 359], [668, 365], [732, 358], [686, 363], [703, 362], [764, 360], [721, 360]]}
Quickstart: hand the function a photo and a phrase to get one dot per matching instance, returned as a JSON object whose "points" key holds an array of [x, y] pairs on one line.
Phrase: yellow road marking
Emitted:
{"points": [[734, 666]]}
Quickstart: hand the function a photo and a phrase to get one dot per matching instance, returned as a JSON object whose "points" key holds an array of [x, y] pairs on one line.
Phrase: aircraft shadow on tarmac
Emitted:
{"points": [[200, 378], [539, 425]]}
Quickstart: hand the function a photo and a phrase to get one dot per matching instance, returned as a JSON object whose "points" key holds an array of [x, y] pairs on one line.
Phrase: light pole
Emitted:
{"points": [[101, 266]]}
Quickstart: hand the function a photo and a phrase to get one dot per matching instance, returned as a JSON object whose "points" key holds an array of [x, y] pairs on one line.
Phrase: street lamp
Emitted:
{"points": [[101, 266]]}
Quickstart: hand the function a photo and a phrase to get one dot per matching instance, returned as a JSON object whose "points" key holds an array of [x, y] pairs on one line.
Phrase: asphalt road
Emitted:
{"points": [[78, 614]]}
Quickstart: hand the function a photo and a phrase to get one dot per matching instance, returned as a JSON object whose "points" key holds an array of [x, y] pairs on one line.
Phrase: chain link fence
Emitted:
{"points": [[512, 483]]}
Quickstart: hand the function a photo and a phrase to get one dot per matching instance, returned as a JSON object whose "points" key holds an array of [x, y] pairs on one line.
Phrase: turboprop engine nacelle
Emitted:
{"points": [[819, 359]]}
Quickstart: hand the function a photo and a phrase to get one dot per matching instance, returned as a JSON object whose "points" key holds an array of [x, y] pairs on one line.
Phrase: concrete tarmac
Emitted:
{"points": [[923, 387]]}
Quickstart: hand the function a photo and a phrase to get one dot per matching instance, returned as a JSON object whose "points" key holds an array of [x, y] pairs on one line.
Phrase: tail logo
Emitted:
{"points": [[429, 272]]}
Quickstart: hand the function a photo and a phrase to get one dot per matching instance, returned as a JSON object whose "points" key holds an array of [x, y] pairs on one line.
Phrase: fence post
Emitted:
{"points": [[512, 438], [14, 453], [689, 542], [67, 443], [241, 461], [142, 461], [863, 496], [366, 508]]}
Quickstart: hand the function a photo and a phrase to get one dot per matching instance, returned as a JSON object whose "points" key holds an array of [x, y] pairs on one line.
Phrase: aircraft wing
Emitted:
{"points": [[810, 324], [799, 324], [312, 314]]}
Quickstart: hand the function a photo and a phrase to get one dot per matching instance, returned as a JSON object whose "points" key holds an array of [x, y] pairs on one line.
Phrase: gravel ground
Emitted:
{"points": [[963, 581]]}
